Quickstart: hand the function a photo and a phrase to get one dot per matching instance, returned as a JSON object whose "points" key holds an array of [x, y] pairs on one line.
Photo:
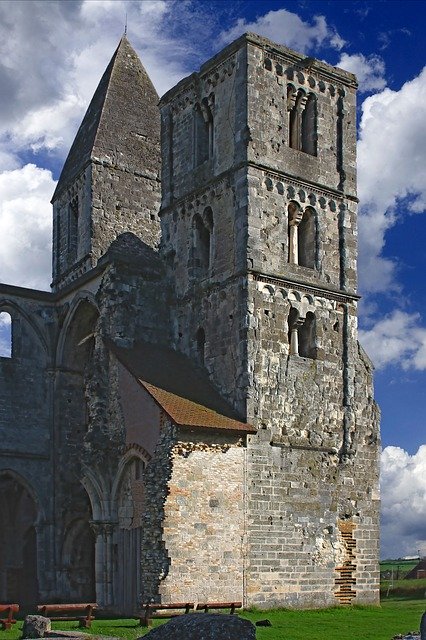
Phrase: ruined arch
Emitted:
{"points": [[20, 513], [128, 500], [17, 315], [79, 324]]}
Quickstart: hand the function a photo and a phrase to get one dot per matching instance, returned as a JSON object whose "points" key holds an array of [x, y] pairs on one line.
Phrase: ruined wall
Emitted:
{"points": [[314, 461], [26, 426], [193, 522]]}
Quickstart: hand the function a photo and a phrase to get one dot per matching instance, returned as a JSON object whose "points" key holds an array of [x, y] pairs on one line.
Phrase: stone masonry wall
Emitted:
{"points": [[193, 525]]}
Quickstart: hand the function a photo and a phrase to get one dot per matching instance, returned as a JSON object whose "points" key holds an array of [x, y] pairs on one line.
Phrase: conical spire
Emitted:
{"points": [[121, 127]]}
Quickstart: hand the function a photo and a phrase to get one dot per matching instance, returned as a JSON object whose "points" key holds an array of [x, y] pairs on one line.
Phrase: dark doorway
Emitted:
{"points": [[18, 543]]}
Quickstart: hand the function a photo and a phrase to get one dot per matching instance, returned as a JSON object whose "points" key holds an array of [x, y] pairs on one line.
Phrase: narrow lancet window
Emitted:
{"points": [[203, 131], [72, 230], [203, 230], [5, 335]]}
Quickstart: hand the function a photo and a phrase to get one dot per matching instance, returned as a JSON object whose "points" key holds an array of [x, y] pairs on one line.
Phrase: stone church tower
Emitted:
{"points": [[200, 423]]}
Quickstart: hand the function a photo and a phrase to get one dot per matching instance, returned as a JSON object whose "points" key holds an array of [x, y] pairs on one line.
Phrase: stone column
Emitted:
{"points": [[295, 215], [104, 569]]}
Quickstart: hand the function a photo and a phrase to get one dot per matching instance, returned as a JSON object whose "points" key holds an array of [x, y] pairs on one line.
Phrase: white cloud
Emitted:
{"points": [[49, 74], [26, 222], [403, 494], [398, 339], [391, 176], [287, 28], [368, 69]]}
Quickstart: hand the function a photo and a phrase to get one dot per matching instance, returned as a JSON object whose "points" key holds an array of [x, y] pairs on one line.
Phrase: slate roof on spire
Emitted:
{"points": [[121, 127]]}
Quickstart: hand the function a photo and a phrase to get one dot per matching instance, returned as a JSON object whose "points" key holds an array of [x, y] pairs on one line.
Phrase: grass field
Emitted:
{"points": [[352, 623]]}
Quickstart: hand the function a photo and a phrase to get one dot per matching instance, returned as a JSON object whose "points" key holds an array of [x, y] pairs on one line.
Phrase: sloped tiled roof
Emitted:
{"points": [[183, 390]]}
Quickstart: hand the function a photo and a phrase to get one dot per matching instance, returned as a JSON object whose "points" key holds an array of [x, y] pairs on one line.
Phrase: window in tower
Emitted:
{"points": [[202, 243], [203, 131], [5, 335], [72, 230], [307, 337], [302, 120], [306, 239], [200, 338], [302, 334], [309, 129]]}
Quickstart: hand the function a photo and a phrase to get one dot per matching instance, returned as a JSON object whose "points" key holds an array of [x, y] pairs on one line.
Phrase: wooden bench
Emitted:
{"points": [[150, 611], [208, 606], [84, 612], [9, 610]]}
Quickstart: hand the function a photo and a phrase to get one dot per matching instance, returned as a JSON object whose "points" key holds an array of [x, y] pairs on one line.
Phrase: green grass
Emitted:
{"points": [[354, 623]]}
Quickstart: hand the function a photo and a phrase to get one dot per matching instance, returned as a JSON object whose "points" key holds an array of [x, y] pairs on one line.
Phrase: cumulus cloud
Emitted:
{"points": [[369, 70], [391, 176], [48, 74], [398, 339], [403, 493], [287, 28], [26, 222]]}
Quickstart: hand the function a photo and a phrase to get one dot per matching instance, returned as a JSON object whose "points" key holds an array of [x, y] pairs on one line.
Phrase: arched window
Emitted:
{"points": [[5, 335], [307, 337], [202, 244], [306, 238], [203, 131], [200, 338], [302, 334], [302, 120]]}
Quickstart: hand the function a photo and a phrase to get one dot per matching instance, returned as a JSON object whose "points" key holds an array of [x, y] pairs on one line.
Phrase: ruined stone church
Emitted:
{"points": [[188, 414]]}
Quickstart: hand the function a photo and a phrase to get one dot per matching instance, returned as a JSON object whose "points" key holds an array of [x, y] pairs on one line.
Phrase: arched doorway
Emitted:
{"points": [[130, 505], [18, 543]]}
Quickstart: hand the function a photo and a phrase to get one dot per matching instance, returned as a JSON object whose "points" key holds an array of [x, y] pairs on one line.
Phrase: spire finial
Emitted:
{"points": [[125, 26]]}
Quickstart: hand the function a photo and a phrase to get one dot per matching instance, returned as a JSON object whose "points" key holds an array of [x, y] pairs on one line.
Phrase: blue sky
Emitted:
{"points": [[53, 54]]}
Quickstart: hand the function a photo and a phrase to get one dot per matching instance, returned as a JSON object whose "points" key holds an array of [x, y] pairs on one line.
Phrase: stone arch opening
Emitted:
{"points": [[18, 543], [6, 350], [130, 505]]}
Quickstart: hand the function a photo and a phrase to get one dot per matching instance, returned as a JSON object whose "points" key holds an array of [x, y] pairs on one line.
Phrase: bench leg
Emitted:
{"points": [[85, 623], [5, 625]]}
